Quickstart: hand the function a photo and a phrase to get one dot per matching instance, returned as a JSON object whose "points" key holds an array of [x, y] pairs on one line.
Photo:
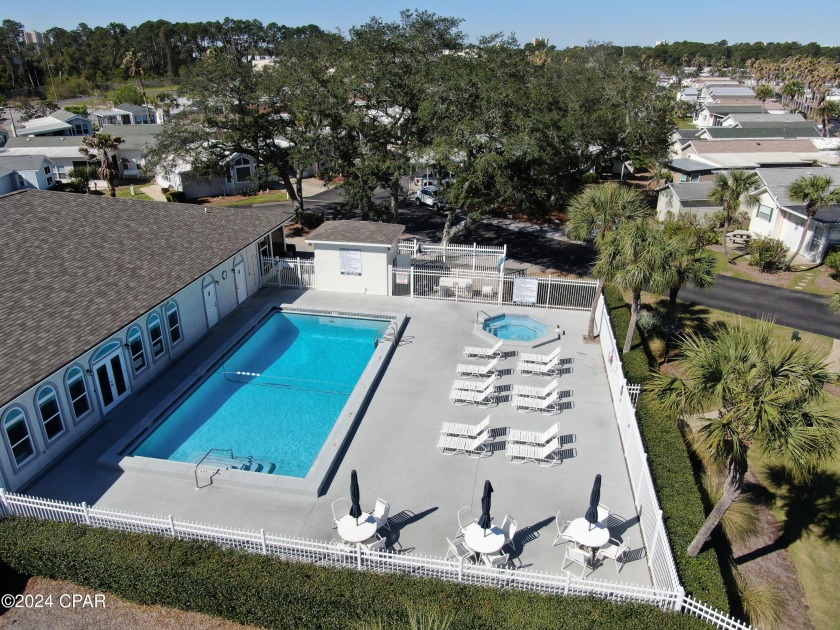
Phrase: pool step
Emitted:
{"points": [[215, 460]]}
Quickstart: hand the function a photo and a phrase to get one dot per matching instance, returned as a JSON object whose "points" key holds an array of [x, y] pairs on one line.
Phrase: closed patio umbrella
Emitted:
{"points": [[484, 519], [355, 508], [594, 499]]}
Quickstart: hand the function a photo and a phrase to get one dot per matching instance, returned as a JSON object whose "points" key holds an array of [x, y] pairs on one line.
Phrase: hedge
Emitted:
{"points": [[270, 593], [672, 472]]}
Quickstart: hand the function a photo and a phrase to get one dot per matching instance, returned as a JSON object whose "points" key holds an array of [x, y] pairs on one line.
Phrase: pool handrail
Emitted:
{"points": [[249, 459]]}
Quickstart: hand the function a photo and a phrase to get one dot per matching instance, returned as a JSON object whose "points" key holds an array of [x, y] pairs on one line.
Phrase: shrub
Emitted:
{"points": [[768, 254], [658, 348], [267, 592], [652, 323], [832, 259], [309, 219], [175, 196], [589, 178], [672, 472], [763, 603]]}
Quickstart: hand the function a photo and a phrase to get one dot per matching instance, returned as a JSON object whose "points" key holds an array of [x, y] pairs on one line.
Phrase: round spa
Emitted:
{"points": [[521, 331]]}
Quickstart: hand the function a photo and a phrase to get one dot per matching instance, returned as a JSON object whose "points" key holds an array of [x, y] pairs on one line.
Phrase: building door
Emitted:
{"points": [[817, 241], [239, 278], [111, 379], [211, 305]]}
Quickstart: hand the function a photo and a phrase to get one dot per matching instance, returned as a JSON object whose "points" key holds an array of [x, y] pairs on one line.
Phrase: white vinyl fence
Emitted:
{"points": [[288, 272], [293, 549], [465, 257], [493, 287]]}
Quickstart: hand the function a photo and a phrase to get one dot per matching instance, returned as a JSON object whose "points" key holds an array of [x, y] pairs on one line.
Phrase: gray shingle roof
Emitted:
{"points": [[729, 133], [774, 119], [687, 133], [687, 165], [777, 181], [44, 141], [134, 136], [692, 191], [78, 268], [364, 232], [134, 109], [22, 162], [63, 115], [733, 109]]}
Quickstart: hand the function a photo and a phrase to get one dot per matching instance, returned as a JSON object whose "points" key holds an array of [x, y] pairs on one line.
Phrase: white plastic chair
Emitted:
{"points": [[380, 513], [458, 549], [615, 550], [340, 513], [465, 518], [377, 543], [509, 528], [576, 555], [495, 560], [561, 538], [603, 513]]}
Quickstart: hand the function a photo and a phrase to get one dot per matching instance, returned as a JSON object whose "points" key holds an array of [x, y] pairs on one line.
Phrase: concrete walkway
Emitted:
{"points": [[154, 192]]}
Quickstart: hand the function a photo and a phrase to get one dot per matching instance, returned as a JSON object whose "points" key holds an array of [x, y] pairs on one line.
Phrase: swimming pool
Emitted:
{"points": [[515, 327], [274, 401]]}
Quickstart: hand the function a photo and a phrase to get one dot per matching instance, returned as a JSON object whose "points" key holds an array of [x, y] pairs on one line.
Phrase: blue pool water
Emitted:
{"points": [[515, 327], [275, 399]]}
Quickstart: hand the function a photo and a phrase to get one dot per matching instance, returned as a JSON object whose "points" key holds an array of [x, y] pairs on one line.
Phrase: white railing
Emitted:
{"points": [[288, 272], [492, 287], [661, 560], [465, 257], [293, 549]]}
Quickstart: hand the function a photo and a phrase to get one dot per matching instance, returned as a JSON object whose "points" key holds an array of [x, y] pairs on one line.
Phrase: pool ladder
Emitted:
{"points": [[389, 333]]}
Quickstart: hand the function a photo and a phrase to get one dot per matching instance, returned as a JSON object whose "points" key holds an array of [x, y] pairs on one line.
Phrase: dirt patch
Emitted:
{"points": [[764, 559], [116, 613], [819, 278]]}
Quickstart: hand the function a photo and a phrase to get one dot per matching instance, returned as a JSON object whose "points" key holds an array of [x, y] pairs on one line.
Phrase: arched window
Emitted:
{"points": [[77, 391], [155, 335], [173, 323], [135, 348], [242, 168], [17, 434], [46, 401]]}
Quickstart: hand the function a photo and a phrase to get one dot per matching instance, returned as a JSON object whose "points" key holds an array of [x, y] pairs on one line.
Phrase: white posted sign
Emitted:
{"points": [[350, 262], [525, 290]]}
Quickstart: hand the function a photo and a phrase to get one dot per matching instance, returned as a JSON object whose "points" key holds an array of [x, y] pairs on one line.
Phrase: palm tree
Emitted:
{"points": [[132, 62], [688, 261], [749, 391], [816, 192], [793, 90], [100, 147], [764, 91], [730, 191], [597, 210], [634, 257]]}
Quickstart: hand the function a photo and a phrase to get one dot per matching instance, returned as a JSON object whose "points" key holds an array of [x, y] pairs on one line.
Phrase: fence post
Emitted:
{"points": [[262, 537], [172, 526], [679, 602], [473, 257], [642, 469], [411, 280], [299, 273], [359, 556], [390, 280], [4, 507], [567, 583], [86, 512]]}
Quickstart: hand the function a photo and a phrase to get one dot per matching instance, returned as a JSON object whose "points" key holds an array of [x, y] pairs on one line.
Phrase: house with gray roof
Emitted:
{"points": [[126, 114], [59, 123], [712, 115], [767, 119], [778, 216], [685, 198], [781, 131], [102, 295], [26, 171]]}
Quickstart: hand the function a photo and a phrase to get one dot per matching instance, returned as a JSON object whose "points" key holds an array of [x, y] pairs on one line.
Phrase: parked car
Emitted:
{"points": [[426, 196]]}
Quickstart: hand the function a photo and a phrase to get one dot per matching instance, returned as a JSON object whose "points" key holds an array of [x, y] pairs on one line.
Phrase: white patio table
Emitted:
{"points": [[480, 541], [592, 536], [354, 532]]}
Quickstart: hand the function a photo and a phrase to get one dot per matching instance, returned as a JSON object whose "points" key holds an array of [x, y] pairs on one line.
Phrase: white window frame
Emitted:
{"points": [[8, 420], [154, 322], [243, 162], [769, 214], [46, 395], [139, 362], [172, 308], [76, 374]]}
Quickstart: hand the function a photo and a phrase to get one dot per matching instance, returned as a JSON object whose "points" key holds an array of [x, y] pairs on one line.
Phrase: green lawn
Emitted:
{"points": [[268, 198], [685, 123], [126, 192]]}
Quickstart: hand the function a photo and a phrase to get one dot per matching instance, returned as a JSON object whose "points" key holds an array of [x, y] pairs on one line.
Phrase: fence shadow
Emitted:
{"points": [[523, 536]]}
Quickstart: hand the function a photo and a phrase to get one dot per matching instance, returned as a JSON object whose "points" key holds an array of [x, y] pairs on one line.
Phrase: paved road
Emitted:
{"points": [[803, 311]]}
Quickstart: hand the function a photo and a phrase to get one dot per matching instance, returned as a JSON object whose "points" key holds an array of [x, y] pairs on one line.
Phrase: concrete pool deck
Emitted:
{"points": [[394, 446]]}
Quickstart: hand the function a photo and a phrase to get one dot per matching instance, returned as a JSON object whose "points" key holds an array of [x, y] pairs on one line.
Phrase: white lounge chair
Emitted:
{"points": [[466, 370], [540, 358], [474, 386], [540, 369], [485, 398], [543, 405], [464, 430], [517, 436], [451, 445], [547, 455], [535, 392], [485, 353]]}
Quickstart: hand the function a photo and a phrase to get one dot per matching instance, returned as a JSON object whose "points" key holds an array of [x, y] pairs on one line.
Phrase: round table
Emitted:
{"points": [[483, 542], [354, 532], [592, 536]]}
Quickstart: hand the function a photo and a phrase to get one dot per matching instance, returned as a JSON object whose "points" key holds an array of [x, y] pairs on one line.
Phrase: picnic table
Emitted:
{"points": [[740, 236]]}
